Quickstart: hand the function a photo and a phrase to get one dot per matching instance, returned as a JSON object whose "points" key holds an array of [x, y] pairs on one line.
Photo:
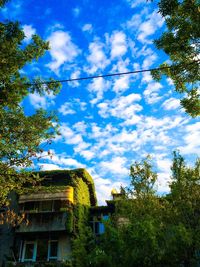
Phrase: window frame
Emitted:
{"points": [[34, 255], [49, 257]]}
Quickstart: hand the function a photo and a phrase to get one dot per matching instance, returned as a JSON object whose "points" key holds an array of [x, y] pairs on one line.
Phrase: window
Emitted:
{"points": [[96, 228], [29, 206], [52, 250], [99, 228], [29, 251], [46, 205], [42, 249]]}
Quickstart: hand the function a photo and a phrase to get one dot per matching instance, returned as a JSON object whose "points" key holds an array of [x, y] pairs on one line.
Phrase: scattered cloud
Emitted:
{"points": [[68, 136], [29, 31], [80, 127], [62, 49], [151, 93], [136, 3], [75, 75], [104, 186], [117, 165], [121, 84], [87, 28], [97, 58], [67, 109], [149, 27], [191, 140], [71, 107], [48, 166], [163, 182], [171, 103], [134, 22], [58, 161], [39, 101], [97, 87], [123, 107], [118, 44]]}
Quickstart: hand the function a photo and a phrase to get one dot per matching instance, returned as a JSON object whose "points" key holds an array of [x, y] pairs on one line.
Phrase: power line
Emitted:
{"points": [[107, 75]]}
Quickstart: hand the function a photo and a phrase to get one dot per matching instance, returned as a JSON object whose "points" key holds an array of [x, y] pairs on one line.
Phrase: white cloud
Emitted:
{"points": [[70, 162], [164, 165], [171, 103], [87, 28], [136, 3], [104, 187], [118, 44], [123, 107], [133, 120], [96, 58], [149, 60], [162, 124], [151, 92], [75, 75], [87, 154], [62, 49], [121, 84], [80, 127], [170, 81], [150, 26], [191, 140], [49, 166], [163, 182], [58, 161], [39, 101], [147, 78], [125, 137], [82, 146], [28, 31], [134, 22], [98, 87], [101, 132], [69, 108], [66, 109], [69, 136], [117, 165]]}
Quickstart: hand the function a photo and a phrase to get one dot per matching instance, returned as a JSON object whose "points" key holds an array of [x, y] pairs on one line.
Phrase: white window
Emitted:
{"points": [[52, 250], [29, 251]]}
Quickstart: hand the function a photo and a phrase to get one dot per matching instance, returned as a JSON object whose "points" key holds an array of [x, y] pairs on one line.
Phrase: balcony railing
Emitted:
{"points": [[44, 222]]}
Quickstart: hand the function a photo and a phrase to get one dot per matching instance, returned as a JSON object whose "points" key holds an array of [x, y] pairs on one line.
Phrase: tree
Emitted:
{"points": [[142, 178], [185, 200], [20, 135], [151, 230], [132, 236], [181, 43]]}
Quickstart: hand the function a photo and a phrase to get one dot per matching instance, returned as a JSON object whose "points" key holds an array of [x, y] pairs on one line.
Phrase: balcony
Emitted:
{"points": [[44, 222]]}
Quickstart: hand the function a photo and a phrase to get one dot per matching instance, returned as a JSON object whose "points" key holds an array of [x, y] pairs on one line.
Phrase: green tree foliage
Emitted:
{"points": [[142, 178], [20, 135], [181, 42], [148, 230], [185, 199]]}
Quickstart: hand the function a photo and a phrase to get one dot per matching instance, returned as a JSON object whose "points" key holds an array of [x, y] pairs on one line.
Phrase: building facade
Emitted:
{"points": [[53, 213]]}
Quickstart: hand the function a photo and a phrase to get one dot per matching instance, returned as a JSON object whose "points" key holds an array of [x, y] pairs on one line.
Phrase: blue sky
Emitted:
{"points": [[106, 124]]}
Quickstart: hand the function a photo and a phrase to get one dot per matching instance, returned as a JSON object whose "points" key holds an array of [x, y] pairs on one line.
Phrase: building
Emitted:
{"points": [[54, 211]]}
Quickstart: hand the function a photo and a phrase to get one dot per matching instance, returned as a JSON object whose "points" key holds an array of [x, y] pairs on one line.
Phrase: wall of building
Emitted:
{"points": [[55, 183], [6, 243]]}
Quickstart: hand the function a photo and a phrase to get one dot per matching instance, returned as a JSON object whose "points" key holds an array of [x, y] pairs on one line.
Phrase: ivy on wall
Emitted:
{"points": [[84, 195]]}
